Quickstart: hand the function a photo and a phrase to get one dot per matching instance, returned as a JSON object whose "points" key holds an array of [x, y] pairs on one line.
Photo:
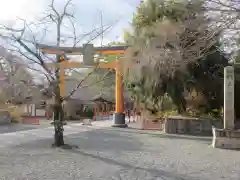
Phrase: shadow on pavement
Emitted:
{"points": [[92, 140], [95, 144], [103, 140], [157, 173]]}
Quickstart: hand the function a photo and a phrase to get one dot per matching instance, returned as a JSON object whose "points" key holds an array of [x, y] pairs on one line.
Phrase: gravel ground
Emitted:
{"points": [[115, 154], [8, 128], [15, 127]]}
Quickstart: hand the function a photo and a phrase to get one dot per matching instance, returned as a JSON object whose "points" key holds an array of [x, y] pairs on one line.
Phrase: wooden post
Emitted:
{"points": [[94, 112], [98, 112], [119, 116], [102, 111], [62, 82], [114, 107], [108, 111]]}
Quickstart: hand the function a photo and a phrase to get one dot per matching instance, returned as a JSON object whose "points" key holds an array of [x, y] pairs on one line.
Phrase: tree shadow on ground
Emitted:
{"points": [[100, 140], [98, 143], [155, 173]]}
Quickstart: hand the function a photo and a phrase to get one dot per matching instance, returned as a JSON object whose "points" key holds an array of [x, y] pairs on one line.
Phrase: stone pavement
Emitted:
{"points": [[14, 127], [18, 137], [7, 128], [106, 153]]}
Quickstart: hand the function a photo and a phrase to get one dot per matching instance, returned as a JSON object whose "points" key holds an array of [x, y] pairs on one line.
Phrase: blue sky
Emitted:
{"points": [[87, 13]]}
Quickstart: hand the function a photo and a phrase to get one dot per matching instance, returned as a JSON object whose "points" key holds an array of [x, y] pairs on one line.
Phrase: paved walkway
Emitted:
{"points": [[106, 153], [23, 136], [15, 127]]}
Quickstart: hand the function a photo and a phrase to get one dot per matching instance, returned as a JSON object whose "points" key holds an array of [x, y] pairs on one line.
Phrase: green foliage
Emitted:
{"points": [[149, 83], [207, 77], [151, 11], [151, 86]]}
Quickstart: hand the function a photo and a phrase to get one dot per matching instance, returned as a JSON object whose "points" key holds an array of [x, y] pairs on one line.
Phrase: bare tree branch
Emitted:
{"points": [[39, 58], [54, 10]]}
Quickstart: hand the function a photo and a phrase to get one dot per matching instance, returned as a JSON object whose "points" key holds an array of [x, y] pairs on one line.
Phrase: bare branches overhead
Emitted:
{"points": [[17, 82], [225, 11], [58, 17], [25, 39]]}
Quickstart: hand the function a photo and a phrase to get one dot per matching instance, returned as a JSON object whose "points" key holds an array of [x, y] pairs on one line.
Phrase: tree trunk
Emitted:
{"points": [[161, 104], [58, 125], [58, 138]]}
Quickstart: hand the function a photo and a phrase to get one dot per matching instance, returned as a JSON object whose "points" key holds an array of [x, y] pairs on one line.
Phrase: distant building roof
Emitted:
{"points": [[101, 98], [90, 93]]}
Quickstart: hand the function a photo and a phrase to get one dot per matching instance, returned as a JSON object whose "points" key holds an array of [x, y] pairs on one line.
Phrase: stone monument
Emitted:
{"points": [[227, 137], [229, 98]]}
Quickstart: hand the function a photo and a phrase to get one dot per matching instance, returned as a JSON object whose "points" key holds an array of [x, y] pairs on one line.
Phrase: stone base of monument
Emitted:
{"points": [[87, 122], [226, 139]]}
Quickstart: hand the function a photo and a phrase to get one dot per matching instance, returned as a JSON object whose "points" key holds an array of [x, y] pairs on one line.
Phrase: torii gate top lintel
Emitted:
{"points": [[87, 50], [80, 50]]}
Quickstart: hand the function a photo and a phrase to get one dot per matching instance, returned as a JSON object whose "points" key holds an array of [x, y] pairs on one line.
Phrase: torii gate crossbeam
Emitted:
{"points": [[88, 52]]}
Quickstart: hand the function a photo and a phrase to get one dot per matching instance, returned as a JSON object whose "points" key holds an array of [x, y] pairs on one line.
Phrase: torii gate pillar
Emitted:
{"points": [[119, 115]]}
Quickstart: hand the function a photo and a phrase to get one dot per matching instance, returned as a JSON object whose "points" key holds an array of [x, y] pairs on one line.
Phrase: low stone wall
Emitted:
{"points": [[188, 125], [152, 123], [223, 138], [180, 125]]}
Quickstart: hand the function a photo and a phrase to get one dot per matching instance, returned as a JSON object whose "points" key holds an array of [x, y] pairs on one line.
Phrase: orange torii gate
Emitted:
{"points": [[88, 51]]}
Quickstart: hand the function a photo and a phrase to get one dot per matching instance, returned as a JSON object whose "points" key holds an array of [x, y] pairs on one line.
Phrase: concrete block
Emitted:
{"points": [[87, 122], [5, 117], [225, 139]]}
